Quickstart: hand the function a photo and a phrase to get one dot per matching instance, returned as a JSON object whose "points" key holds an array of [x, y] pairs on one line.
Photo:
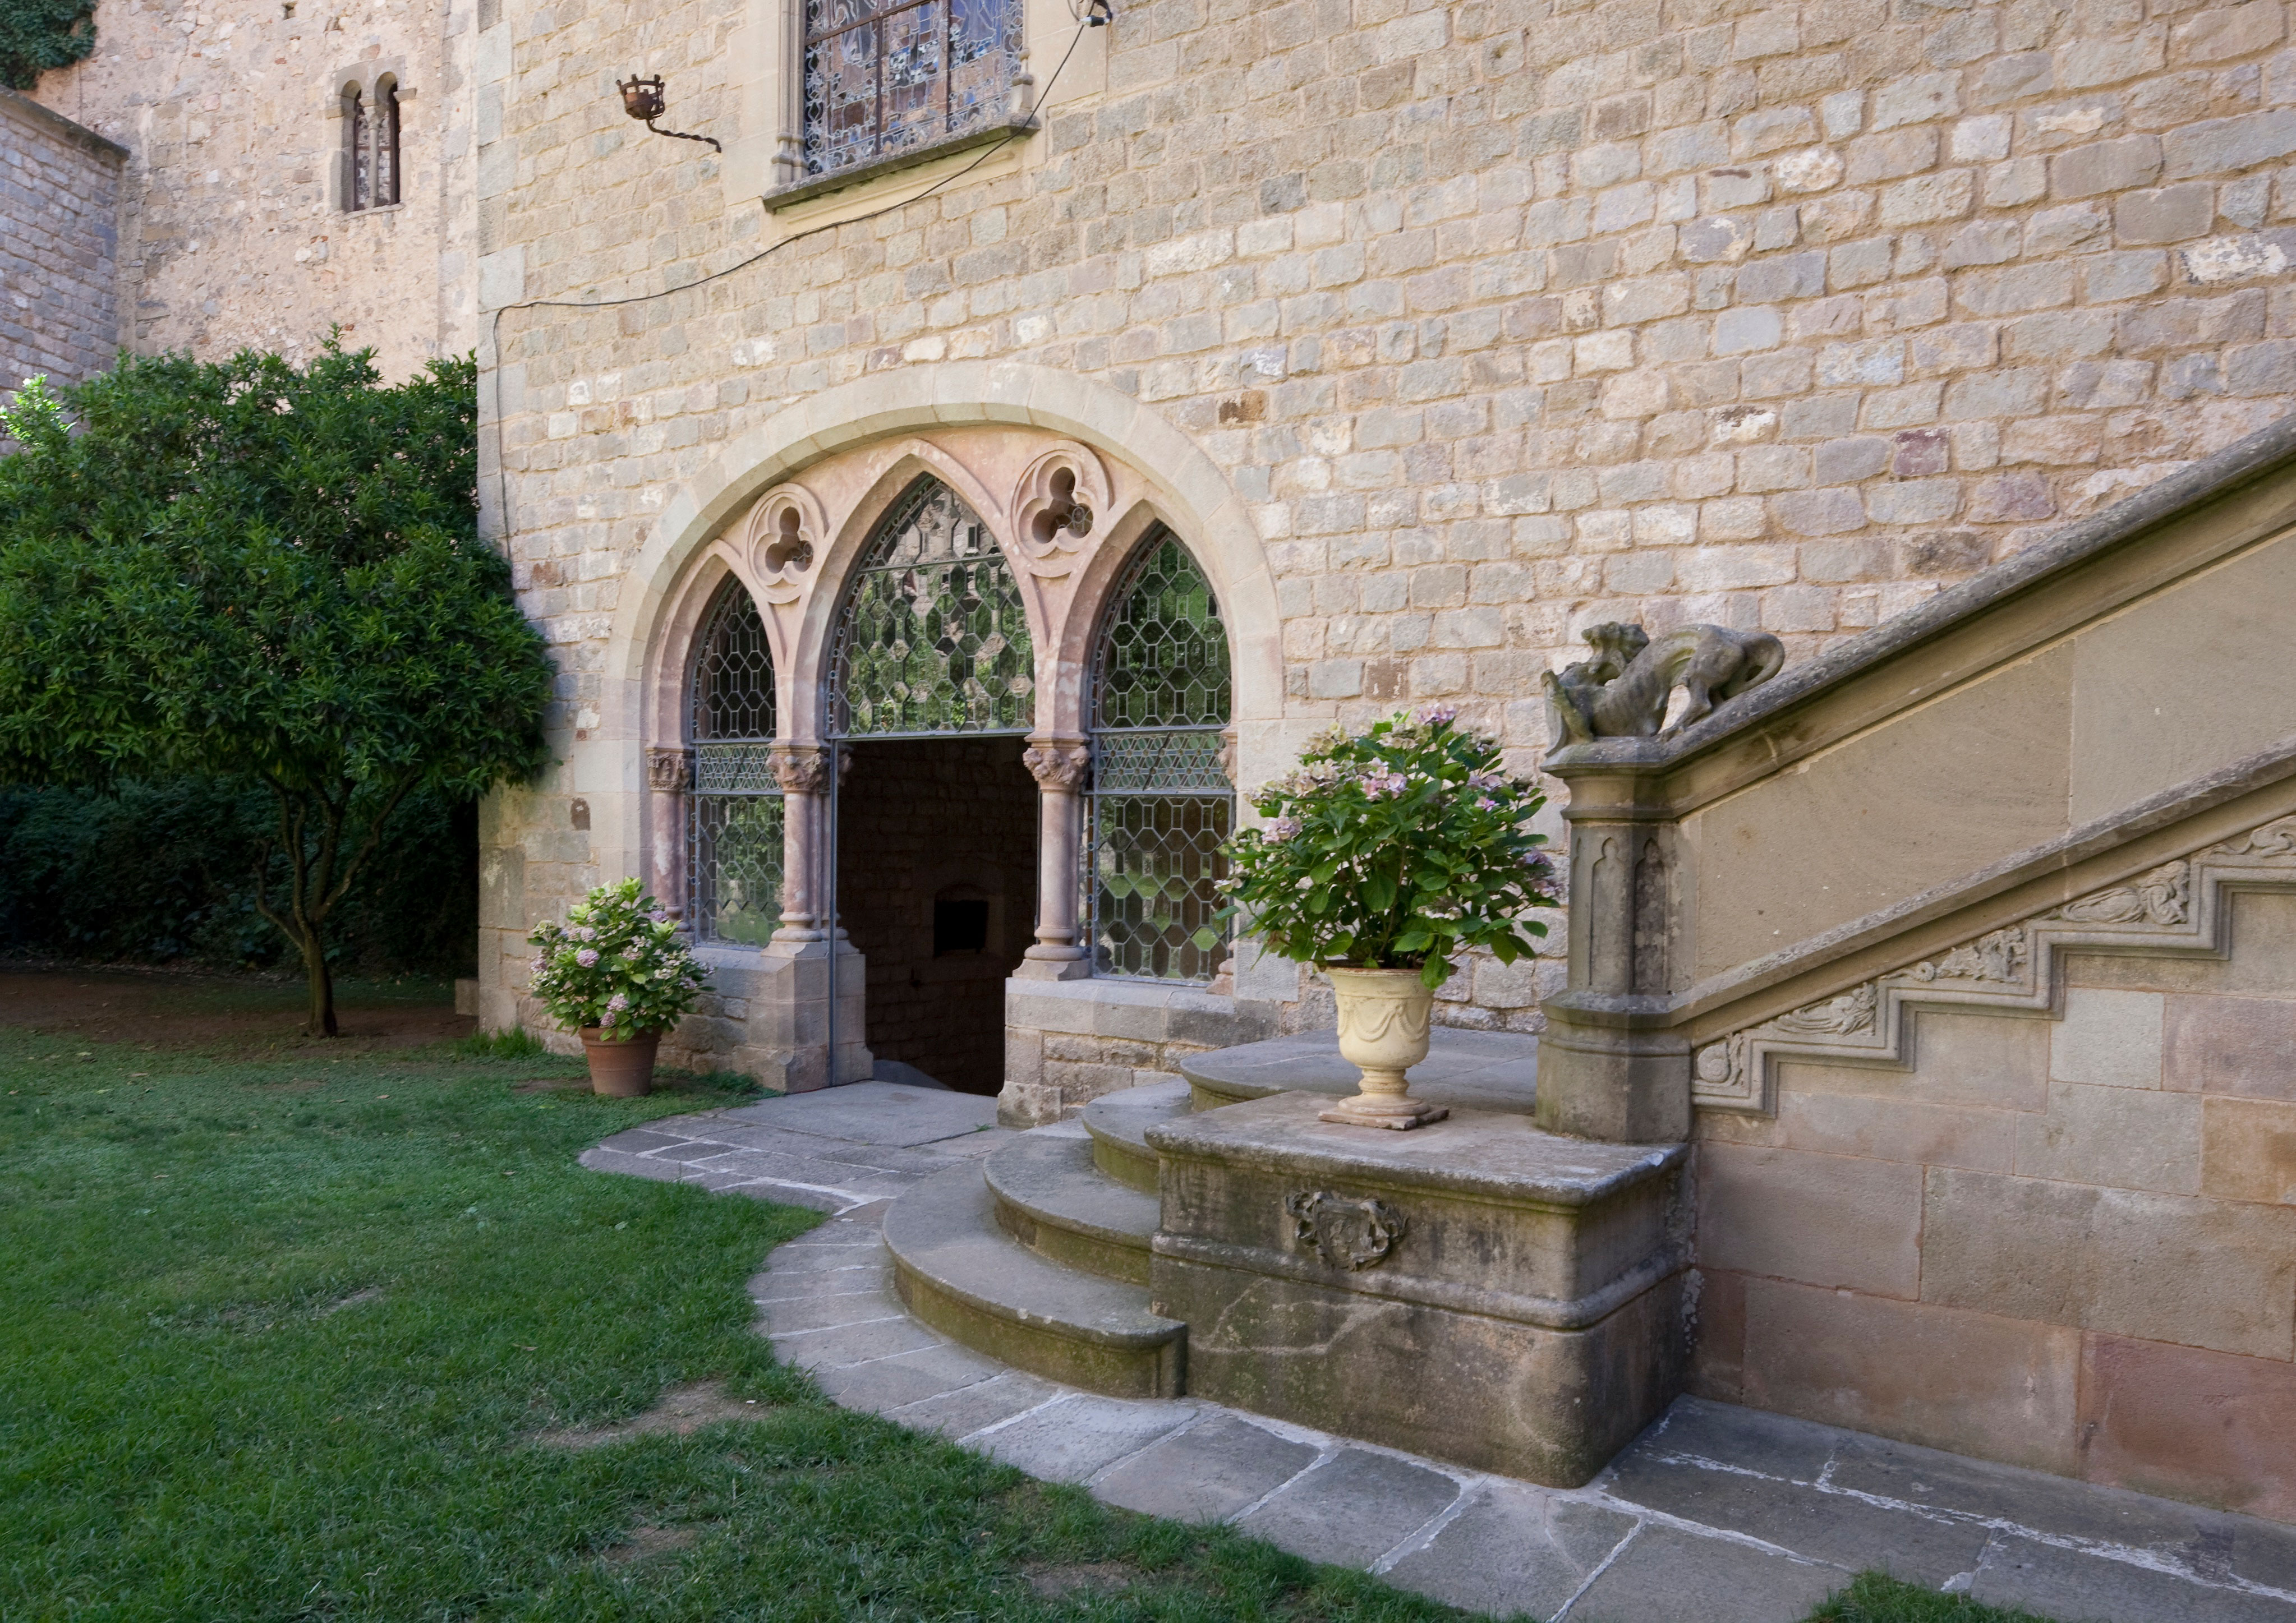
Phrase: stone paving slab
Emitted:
{"points": [[875, 1114], [1717, 1513]]}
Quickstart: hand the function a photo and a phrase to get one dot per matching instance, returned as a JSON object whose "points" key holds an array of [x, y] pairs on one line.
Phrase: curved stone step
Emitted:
{"points": [[1055, 1201], [1481, 1071], [1119, 1123], [957, 1271]]}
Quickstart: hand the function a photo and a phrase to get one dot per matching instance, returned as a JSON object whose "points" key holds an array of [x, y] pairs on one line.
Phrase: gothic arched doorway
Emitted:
{"points": [[931, 698]]}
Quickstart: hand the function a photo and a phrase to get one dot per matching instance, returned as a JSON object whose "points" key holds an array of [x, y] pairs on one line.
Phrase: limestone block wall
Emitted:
{"points": [[233, 234], [2070, 1243], [58, 232], [1499, 319]]}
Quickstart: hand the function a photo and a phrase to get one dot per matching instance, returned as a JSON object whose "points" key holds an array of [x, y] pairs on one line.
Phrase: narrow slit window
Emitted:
{"points": [[371, 135]]}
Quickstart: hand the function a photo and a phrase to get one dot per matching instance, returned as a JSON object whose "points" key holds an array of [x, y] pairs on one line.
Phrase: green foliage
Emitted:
{"points": [[279, 1348], [516, 1044], [269, 576], [161, 873], [1876, 1597], [37, 34], [1393, 850], [618, 962]]}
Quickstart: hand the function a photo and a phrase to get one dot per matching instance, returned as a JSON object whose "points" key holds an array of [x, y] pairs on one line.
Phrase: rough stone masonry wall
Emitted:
{"points": [[231, 238], [1506, 316], [59, 226]]}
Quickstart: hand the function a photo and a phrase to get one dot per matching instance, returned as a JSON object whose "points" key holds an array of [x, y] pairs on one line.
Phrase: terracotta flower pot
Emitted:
{"points": [[1384, 1017], [620, 1067]]}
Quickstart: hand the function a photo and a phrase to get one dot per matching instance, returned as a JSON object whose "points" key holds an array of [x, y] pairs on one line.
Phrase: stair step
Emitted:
{"points": [[1481, 1070], [1055, 1201], [1119, 1123], [957, 1271]]}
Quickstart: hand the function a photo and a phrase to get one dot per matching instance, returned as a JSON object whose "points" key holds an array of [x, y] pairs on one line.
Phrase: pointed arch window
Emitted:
{"points": [[733, 840], [1162, 804], [933, 638]]}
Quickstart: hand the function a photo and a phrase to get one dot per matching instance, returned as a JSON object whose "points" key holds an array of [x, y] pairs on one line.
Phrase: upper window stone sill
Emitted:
{"points": [[860, 174]]}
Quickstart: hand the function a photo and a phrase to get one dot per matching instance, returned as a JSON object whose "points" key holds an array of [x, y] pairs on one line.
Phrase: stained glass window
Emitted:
{"points": [[1161, 802], [933, 637], [886, 76], [734, 803]]}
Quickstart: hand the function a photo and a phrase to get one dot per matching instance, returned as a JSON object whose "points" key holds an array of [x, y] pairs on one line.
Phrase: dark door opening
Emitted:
{"points": [[937, 887]]}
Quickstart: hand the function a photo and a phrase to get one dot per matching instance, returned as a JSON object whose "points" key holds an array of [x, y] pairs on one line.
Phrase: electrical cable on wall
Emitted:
{"points": [[1094, 13]]}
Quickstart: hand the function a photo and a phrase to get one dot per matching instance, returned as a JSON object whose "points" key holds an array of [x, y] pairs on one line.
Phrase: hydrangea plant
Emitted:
{"points": [[617, 963], [1393, 849]]}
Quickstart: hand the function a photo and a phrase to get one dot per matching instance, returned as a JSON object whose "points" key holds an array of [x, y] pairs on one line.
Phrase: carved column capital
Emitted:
{"points": [[670, 768], [1058, 763], [801, 769]]}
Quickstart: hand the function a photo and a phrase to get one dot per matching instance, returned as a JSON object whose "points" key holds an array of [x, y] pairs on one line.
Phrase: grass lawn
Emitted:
{"points": [[281, 1330]]}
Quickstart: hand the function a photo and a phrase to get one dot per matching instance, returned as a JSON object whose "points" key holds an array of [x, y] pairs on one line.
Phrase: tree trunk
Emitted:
{"points": [[322, 1018]]}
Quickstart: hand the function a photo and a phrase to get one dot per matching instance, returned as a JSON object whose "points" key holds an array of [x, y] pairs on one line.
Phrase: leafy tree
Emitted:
{"points": [[265, 574], [37, 34]]}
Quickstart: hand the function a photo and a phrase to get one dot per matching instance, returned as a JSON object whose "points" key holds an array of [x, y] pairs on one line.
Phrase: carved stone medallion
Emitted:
{"points": [[1344, 1232]]}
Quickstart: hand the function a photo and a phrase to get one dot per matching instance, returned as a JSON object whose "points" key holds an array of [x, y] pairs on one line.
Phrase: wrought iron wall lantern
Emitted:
{"points": [[643, 99]]}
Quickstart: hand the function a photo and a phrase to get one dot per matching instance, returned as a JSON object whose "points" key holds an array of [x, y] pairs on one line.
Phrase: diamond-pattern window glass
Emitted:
{"points": [[733, 671], [734, 810], [1163, 661], [736, 879], [888, 77], [1162, 804], [933, 637]]}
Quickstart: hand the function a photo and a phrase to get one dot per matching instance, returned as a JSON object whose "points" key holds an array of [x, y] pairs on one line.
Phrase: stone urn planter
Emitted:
{"points": [[1384, 1016], [623, 1068]]}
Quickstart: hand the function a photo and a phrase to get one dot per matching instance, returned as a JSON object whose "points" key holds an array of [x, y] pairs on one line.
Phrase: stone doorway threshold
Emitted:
{"points": [[1725, 1514]]}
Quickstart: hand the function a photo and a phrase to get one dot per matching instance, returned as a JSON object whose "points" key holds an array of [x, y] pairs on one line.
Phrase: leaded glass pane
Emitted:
{"points": [[1159, 760], [1162, 804], [1163, 660], [882, 79], [933, 638], [737, 867], [1156, 870], [733, 684]]}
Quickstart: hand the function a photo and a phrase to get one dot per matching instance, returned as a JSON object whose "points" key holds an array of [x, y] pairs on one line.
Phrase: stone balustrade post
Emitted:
{"points": [[1060, 766], [1613, 1064]]}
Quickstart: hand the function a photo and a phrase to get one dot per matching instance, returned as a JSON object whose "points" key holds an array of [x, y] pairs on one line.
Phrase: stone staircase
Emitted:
{"points": [[1038, 1254]]}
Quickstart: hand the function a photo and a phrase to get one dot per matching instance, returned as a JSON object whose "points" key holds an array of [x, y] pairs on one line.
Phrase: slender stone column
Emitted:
{"points": [[669, 773], [1059, 766], [803, 772]]}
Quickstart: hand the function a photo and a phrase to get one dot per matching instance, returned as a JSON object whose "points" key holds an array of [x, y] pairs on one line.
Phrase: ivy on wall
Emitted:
{"points": [[37, 34]]}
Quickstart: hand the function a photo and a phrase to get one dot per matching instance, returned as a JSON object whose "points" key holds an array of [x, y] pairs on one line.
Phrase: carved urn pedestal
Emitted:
{"points": [[1478, 1290]]}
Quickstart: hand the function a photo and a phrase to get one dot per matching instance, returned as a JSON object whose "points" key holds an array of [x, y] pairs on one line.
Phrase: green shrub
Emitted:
{"points": [[37, 34], [161, 873]]}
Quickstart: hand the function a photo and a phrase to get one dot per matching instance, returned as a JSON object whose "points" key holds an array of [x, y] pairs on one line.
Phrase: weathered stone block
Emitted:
{"points": [[1839, 1220], [2114, 1138], [1974, 1382], [1503, 1298], [2204, 1272], [2200, 1425], [2248, 1150], [2108, 1039]]}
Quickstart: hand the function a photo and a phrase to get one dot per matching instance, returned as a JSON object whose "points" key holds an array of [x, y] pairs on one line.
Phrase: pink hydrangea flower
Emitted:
{"points": [[588, 957]]}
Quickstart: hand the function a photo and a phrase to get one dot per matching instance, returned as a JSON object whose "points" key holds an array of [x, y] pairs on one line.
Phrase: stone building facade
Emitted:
{"points": [[235, 228], [59, 207], [1438, 332]]}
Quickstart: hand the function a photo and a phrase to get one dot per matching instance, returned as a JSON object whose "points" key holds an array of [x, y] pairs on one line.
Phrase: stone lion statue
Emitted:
{"points": [[1624, 690]]}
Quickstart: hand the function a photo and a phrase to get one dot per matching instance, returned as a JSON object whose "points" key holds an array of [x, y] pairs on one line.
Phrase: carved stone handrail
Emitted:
{"points": [[2178, 908]]}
